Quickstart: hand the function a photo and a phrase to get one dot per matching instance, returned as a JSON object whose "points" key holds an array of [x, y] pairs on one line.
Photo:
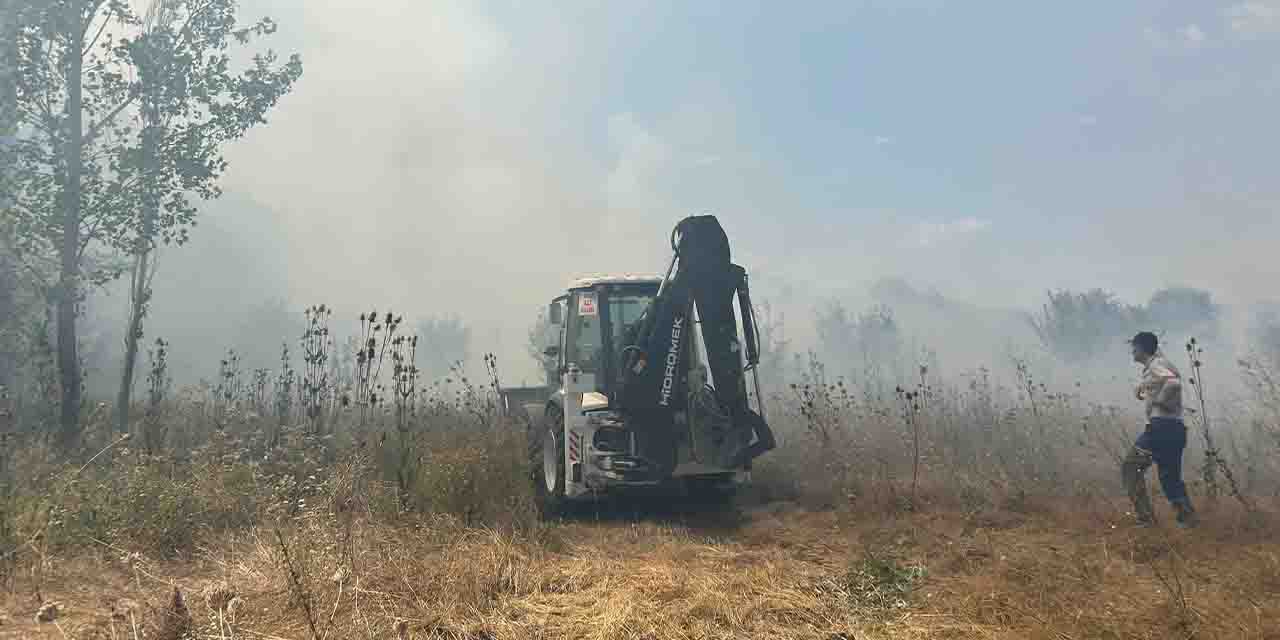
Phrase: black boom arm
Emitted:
{"points": [[702, 276]]}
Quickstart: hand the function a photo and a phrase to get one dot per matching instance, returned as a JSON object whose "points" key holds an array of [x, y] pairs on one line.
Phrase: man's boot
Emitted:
{"points": [[1133, 476], [1142, 504], [1186, 515]]}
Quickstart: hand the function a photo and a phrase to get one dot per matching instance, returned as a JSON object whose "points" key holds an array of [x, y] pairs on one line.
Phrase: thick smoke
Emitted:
{"points": [[459, 160]]}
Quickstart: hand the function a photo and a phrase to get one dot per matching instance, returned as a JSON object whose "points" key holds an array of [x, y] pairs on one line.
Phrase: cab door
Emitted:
{"points": [[583, 336]]}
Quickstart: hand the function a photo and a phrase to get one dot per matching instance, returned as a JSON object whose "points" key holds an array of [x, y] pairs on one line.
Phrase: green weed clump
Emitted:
{"points": [[882, 584]]}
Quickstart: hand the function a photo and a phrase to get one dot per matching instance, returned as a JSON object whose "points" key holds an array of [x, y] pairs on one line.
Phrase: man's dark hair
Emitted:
{"points": [[1146, 341]]}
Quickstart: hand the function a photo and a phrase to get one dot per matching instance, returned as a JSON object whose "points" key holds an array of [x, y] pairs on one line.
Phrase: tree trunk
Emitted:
{"points": [[140, 288], [69, 281], [139, 295], [8, 90], [8, 118]]}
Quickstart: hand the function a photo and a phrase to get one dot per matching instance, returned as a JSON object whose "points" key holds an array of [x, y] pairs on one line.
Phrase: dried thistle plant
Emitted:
{"points": [[404, 373], [822, 405], [316, 345], [1214, 461], [366, 348], [495, 385], [154, 428], [284, 384], [228, 389], [377, 338], [261, 381], [910, 402]]}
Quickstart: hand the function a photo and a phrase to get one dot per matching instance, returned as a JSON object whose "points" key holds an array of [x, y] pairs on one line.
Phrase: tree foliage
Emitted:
{"points": [[1264, 334], [443, 341], [1184, 311], [870, 341], [119, 125], [181, 68], [775, 347], [1080, 326], [535, 346]]}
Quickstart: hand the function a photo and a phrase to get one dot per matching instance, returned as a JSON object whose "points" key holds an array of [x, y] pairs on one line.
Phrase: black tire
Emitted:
{"points": [[551, 501], [710, 493]]}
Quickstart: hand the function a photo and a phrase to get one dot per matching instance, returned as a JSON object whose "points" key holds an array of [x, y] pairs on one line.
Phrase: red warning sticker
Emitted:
{"points": [[587, 304]]}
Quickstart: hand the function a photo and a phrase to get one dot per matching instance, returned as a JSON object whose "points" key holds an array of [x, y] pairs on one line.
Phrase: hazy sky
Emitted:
{"points": [[988, 150]]}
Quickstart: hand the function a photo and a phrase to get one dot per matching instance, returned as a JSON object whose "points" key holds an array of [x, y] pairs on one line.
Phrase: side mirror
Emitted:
{"points": [[555, 314], [551, 341]]}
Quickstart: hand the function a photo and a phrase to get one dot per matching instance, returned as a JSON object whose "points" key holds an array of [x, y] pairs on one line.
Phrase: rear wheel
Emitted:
{"points": [[546, 453], [711, 492]]}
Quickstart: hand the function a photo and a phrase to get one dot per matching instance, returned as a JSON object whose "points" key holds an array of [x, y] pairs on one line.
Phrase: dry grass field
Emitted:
{"points": [[769, 571], [959, 511]]}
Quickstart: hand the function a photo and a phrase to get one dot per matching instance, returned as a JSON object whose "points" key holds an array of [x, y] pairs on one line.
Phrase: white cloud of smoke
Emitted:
{"points": [[451, 157]]}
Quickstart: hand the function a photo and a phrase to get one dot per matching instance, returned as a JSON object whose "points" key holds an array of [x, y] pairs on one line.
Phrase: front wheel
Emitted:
{"points": [[546, 452]]}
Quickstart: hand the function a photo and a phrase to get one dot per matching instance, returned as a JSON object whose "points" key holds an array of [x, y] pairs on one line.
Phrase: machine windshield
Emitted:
{"points": [[624, 307], [624, 312]]}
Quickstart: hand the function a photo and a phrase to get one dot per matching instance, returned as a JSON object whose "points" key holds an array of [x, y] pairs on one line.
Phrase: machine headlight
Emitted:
{"points": [[598, 419]]}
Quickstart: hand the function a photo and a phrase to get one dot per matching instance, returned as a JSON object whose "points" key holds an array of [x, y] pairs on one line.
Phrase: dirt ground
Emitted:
{"points": [[766, 571]]}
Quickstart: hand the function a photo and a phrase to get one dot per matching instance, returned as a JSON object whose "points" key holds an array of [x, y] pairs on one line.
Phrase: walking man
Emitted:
{"points": [[1165, 436]]}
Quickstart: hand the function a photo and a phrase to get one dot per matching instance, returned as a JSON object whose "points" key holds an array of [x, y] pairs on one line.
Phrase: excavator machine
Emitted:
{"points": [[647, 381]]}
